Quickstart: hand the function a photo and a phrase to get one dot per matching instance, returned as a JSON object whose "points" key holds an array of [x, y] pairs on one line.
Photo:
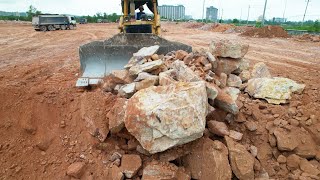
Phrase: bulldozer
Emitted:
{"points": [[99, 58]]}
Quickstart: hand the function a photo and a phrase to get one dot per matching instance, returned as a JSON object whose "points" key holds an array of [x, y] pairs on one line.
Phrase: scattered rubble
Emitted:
{"points": [[174, 104]]}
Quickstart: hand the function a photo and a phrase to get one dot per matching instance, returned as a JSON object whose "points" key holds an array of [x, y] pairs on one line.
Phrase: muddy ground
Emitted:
{"points": [[41, 131]]}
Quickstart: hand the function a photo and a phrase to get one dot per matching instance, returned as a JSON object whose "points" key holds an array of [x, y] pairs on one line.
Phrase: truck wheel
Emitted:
{"points": [[71, 27], [63, 27], [43, 28], [51, 28]]}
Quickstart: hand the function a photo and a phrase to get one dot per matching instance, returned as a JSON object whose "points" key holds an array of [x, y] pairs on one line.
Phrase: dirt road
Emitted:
{"points": [[40, 126]]}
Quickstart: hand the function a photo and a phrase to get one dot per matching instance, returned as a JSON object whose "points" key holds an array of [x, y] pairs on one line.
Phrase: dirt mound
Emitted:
{"points": [[308, 37], [217, 27], [267, 32], [194, 25]]}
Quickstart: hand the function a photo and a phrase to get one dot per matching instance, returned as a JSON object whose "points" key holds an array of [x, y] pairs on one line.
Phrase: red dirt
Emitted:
{"points": [[41, 130], [267, 32]]}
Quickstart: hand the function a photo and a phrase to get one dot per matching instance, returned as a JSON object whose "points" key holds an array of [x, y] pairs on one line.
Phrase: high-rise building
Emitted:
{"points": [[212, 13], [172, 12]]}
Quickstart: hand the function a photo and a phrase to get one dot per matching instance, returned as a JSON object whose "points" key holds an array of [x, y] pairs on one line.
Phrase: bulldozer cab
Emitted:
{"points": [[130, 23], [99, 58]]}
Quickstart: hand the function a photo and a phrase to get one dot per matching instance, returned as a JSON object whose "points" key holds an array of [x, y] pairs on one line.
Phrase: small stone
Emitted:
{"points": [[115, 156], [155, 57], [212, 91], [234, 81], [63, 124], [117, 162], [307, 167], [251, 126], [209, 78], [116, 115], [127, 90], [254, 151], [294, 122], [242, 162], [282, 159], [223, 80], [293, 162], [272, 140], [144, 75], [207, 67], [130, 164], [163, 170], [235, 135], [292, 111], [76, 169], [218, 128], [286, 141], [147, 51], [245, 76], [260, 70], [147, 83], [115, 173], [309, 122], [146, 67], [132, 144], [180, 54]]}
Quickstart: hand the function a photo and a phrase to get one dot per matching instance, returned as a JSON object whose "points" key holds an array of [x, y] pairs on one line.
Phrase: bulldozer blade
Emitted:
{"points": [[100, 58]]}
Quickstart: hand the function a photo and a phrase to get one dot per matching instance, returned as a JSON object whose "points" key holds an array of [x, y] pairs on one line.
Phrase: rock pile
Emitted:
{"points": [[175, 113]]}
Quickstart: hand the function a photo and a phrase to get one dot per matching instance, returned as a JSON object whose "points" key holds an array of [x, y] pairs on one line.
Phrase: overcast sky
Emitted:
{"points": [[231, 8]]}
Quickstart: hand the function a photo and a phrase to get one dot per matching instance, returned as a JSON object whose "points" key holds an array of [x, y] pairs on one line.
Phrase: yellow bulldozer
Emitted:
{"points": [[100, 58]]}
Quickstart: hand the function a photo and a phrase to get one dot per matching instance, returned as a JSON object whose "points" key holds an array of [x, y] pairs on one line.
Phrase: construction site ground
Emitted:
{"points": [[41, 132]]}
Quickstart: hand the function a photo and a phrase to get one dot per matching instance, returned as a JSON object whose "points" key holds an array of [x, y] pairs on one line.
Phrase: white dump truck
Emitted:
{"points": [[51, 22]]}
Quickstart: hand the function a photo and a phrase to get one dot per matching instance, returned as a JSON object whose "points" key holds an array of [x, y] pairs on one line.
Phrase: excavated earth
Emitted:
{"points": [[42, 133]]}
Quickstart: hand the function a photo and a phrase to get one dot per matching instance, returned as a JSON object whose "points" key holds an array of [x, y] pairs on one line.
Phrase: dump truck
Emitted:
{"points": [[51, 22], [83, 21], [99, 58]]}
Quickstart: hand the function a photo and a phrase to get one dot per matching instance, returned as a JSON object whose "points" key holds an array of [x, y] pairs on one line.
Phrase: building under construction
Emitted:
{"points": [[172, 12], [212, 13]]}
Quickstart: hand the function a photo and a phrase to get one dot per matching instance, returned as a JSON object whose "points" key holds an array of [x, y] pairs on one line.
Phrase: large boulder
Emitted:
{"points": [[208, 160], [242, 162], [226, 48], [166, 116], [275, 90]]}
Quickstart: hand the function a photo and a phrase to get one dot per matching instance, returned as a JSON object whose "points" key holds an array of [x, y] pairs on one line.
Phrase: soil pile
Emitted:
{"points": [[308, 37], [267, 32], [194, 25]]}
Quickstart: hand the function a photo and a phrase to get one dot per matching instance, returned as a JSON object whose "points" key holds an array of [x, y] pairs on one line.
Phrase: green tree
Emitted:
{"points": [[32, 11], [316, 25], [235, 21]]}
